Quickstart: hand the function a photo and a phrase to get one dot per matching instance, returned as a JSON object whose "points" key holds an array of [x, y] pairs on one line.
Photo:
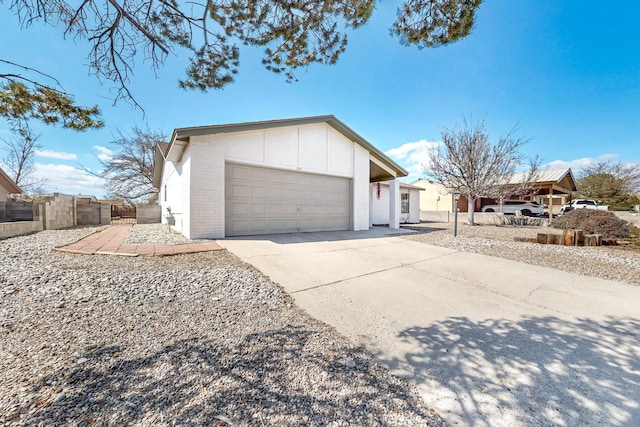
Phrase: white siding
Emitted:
{"points": [[340, 153], [414, 206], [379, 204], [316, 148], [207, 187], [175, 192], [380, 207], [360, 189]]}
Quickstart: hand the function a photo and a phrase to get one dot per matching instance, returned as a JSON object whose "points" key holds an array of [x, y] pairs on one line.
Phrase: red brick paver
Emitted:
{"points": [[110, 241]]}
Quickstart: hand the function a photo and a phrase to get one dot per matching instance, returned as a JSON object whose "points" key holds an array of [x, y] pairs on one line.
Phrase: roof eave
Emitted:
{"points": [[158, 166], [180, 138], [13, 186]]}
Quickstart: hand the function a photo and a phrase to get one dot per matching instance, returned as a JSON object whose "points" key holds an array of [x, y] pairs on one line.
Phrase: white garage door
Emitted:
{"points": [[270, 201]]}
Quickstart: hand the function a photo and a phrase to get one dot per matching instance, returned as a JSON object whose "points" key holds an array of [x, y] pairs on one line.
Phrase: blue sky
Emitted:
{"points": [[565, 73]]}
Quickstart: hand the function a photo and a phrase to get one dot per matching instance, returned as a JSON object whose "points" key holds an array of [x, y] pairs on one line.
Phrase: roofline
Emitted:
{"points": [[403, 185], [187, 132], [568, 171], [11, 183], [158, 159]]}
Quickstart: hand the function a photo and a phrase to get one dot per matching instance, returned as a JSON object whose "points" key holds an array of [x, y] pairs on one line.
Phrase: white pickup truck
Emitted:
{"points": [[582, 204]]}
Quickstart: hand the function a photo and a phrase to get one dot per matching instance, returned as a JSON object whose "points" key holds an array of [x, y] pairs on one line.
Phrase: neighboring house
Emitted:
{"points": [[550, 186], [7, 186], [409, 203], [280, 176], [435, 197]]}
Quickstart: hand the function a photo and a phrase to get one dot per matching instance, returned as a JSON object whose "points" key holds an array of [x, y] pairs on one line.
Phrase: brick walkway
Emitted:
{"points": [[110, 241]]}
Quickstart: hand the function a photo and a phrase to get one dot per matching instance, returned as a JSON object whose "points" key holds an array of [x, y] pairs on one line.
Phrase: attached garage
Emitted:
{"points": [[270, 201], [282, 176]]}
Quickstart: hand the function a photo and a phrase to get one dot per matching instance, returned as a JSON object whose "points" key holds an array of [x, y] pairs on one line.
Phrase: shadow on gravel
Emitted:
{"points": [[538, 371], [195, 382]]}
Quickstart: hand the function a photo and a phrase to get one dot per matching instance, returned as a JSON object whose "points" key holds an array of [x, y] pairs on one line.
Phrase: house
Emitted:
{"points": [[409, 203], [279, 176], [434, 197], [7, 186], [550, 186]]}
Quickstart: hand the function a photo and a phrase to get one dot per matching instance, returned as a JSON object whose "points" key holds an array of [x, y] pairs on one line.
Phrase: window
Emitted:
{"points": [[404, 203]]}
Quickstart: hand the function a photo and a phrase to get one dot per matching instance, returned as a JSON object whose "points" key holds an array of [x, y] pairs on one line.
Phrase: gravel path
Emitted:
{"points": [[199, 339], [611, 263]]}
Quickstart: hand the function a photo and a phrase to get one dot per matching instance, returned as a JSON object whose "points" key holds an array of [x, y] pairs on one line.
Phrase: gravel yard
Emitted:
{"points": [[205, 339], [200, 339], [613, 263]]}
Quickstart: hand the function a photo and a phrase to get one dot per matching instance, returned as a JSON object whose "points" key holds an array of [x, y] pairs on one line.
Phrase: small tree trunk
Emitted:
{"points": [[471, 207]]}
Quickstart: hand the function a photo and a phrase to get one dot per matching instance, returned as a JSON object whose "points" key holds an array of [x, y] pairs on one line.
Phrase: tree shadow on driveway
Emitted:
{"points": [[537, 371]]}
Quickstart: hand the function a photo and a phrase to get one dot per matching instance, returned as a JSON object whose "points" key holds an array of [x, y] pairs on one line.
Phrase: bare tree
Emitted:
{"points": [[293, 34], [466, 161], [18, 160], [129, 171]]}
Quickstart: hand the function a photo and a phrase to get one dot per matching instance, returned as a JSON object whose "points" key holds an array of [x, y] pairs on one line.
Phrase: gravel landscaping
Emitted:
{"points": [[205, 339], [613, 263], [199, 339]]}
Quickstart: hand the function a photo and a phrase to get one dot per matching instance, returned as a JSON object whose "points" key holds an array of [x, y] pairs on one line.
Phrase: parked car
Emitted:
{"points": [[582, 204], [510, 207], [565, 208]]}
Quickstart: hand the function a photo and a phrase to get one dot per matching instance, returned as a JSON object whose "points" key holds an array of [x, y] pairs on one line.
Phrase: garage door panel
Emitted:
{"points": [[275, 193], [276, 177], [259, 209], [259, 191], [241, 191], [240, 172], [276, 210], [258, 174], [265, 201], [240, 209], [239, 227], [340, 210], [290, 209]]}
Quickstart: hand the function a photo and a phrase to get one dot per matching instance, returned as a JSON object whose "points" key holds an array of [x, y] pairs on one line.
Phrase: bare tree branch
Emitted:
{"points": [[20, 150], [12, 77], [129, 172], [468, 162]]}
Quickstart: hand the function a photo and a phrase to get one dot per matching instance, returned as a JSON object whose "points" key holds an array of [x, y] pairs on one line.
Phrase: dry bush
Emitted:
{"points": [[593, 222]]}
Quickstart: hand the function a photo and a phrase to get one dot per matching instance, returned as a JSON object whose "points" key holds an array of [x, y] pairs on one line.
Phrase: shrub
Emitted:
{"points": [[593, 222]]}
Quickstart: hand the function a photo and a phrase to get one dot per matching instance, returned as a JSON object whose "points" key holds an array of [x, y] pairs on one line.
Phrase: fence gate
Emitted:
{"points": [[123, 215]]}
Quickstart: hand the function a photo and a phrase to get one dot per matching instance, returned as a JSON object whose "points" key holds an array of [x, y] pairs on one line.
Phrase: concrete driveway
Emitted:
{"points": [[487, 341]]}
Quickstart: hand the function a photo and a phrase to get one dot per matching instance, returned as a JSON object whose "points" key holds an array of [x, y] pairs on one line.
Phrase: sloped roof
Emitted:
{"points": [[164, 147], [8, 183], [180, 139], [548, 176]]}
